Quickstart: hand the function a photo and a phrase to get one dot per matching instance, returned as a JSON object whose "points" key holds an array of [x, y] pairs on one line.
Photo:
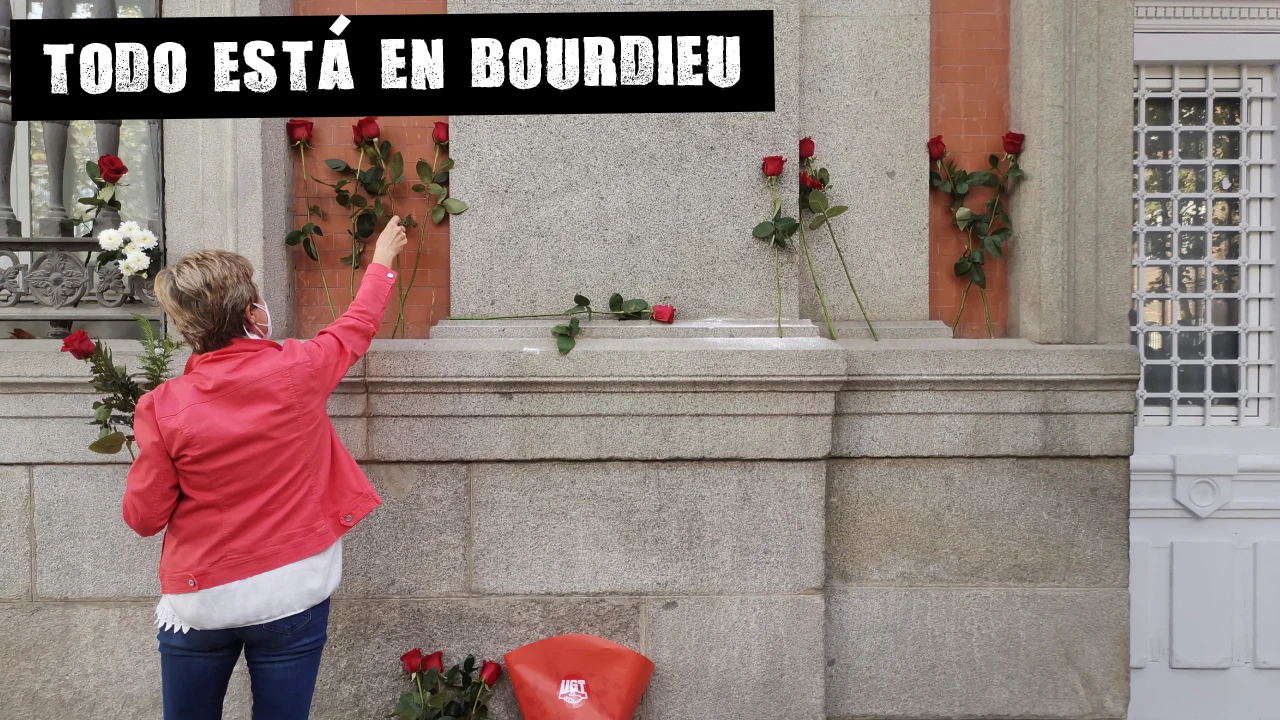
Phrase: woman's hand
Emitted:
{"points": [[390, 243]]}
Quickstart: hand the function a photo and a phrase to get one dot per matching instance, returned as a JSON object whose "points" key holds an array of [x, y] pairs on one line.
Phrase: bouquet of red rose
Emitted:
{"points": [[459, 693], [986, 233], [113, 414]]}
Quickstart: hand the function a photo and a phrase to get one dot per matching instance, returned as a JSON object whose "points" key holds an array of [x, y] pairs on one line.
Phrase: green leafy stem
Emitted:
{"points": [[367, 195], [777, 231], [123, 390], [985, 233], [566, 334], [454, 694], [824, 212]]}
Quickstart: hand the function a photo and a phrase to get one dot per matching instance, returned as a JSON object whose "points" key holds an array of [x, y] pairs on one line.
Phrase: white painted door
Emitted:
{"points": [[1205, 491]]}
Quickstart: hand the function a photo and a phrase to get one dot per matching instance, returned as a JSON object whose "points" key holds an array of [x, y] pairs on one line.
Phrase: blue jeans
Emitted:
{"points": [[283, 658]]}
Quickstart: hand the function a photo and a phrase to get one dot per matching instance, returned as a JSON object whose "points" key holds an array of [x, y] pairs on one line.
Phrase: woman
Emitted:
{"points": [[241, 467]]}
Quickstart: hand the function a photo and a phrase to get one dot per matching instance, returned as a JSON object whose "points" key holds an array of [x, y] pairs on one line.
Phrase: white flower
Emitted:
{"points": [[130, 228], [135, 262], [132, 266], [110, 239], [143, 240]]}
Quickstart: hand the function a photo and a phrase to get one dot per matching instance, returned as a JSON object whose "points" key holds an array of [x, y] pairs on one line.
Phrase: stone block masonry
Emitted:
{"points": [[853, 561]]}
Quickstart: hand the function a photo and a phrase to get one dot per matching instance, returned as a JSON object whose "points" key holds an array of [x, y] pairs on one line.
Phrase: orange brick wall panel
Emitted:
{"points": [[427, 301], [969, 107]]}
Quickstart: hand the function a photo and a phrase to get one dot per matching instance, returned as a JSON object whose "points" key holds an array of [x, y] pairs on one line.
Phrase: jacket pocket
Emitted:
{"points": [[289, 625]]}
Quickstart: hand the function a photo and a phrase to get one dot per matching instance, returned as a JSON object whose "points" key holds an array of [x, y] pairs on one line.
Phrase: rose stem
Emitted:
{"points": [[850, 279], [391, 208], [333, 314], [422, 230], [812, 273], [963, 296], [987, 312], [351, 288], [777, 271]]}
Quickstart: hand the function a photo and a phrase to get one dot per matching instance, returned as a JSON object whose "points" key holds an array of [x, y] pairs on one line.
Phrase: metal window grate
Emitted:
{"points": [[1204, 253]]}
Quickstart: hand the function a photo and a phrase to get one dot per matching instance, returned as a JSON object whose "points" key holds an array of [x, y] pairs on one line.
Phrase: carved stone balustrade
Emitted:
{"points": [[54, 276]]}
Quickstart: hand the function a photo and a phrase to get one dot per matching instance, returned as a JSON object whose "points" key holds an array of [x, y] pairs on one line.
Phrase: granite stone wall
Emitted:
{"points": [[850, 549], [790, 527]]}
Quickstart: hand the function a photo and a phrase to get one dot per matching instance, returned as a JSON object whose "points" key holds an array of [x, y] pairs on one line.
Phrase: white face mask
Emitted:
{"points": [[254, 336]]}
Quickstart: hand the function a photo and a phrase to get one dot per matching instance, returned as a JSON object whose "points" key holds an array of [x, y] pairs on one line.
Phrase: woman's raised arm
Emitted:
{"points": [[336, 348]]}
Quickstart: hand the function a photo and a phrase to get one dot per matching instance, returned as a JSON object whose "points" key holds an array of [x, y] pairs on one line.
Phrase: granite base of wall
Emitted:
{"points": [[977, 588], [785, 526]]}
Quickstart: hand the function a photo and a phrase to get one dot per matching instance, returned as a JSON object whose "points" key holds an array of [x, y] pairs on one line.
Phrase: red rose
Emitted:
{"points": [[79, 345], [299, 130], [664, 313], [412, 660], [434, 661], [773, 165], [806, 148], [111, 168], [441, 133], [490, 672], [365, 129], [1013, 142], [810, 182], [937, 148]]}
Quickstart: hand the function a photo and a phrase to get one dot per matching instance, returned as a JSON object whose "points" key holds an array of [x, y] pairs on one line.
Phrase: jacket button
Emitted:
{"points": [[348, 518], [191, 582]]}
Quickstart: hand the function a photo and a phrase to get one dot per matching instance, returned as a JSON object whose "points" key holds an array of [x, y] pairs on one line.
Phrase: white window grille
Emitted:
{"points": [[1204, 243]]}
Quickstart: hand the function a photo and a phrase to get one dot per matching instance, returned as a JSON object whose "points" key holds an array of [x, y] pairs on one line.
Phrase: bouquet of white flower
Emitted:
{"points": [[136, 250]]}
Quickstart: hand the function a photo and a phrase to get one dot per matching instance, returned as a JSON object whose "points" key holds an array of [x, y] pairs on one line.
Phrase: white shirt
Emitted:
{"points": [[258, 599]]}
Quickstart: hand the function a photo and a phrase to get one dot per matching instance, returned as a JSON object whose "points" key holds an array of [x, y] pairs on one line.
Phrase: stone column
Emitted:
{"points": [[229, 183], [1070, 87], [648, 205], [866, 105]]}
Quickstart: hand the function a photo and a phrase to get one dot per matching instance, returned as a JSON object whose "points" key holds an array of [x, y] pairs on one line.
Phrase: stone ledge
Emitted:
{"points": [[664, 398], [654, 359], [606, 327]]}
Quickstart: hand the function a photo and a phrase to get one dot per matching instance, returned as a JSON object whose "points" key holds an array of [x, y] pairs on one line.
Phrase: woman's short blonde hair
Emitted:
{"points": [[206, 294]]}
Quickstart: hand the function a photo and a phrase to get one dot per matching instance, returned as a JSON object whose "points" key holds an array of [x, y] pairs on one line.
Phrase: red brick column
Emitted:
{"points": [[428, 301], [969, 107]]}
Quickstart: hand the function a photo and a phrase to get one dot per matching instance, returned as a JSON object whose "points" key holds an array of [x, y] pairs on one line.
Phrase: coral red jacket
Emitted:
{"points": [[238, 457]]}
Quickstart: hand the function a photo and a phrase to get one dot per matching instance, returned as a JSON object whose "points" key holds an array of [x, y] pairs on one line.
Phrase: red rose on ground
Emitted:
{"points": [[773, 165], [79, 345], [441, 133], [111, 168], [365, 129], [490, 672], [810, 182], [434, 661], [299, 130], [412, 660], [936, 148], [1013, 142], [664, 313], [806, 148]]}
